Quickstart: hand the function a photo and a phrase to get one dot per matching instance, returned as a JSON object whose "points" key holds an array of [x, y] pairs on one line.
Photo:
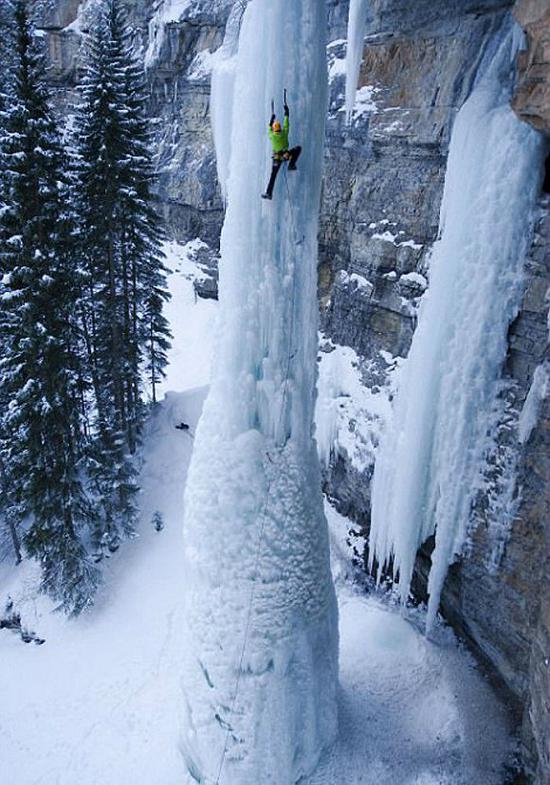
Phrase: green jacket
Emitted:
{"points": [[279, 142]]}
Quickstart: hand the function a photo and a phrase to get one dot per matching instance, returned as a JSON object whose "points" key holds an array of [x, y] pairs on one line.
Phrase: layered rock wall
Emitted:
{"points": [[178, 57], [532, 98]]}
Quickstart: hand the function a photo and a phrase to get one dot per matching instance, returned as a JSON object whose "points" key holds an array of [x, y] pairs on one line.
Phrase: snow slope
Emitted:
{"points": [[99, 702], [412, 710]]}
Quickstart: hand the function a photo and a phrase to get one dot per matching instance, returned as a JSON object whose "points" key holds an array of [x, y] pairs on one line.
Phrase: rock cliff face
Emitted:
{"points": [[178, 58], [382, 192], [380, 215], [532, 99], [384, 183], [179, 73], [527, 580]]}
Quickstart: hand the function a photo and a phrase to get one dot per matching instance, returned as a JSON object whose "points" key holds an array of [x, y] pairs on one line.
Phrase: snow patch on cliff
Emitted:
{"points": [[364, 101], [202, 66], [191, 320]]}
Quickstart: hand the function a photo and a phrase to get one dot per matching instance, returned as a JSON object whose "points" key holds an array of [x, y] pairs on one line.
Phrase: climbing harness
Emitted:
{"points": [[286, 379]]}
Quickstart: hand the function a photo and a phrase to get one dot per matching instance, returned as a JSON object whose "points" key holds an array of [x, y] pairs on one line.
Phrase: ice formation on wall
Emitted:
{"points": [[166, 11], [430, 457], [256, 542], [357, 22], [348, 414], [539, 390], [222, 91]]}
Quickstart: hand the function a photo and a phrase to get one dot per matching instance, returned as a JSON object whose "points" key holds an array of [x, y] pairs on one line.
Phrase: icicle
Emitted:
{"points": [[430, 458], [357, 22]]}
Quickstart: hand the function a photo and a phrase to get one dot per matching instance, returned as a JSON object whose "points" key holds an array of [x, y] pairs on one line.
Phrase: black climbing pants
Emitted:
{"points": [[291, 156]]}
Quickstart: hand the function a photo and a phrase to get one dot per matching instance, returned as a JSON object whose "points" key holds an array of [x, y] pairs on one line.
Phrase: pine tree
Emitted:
{"points": [[8, 508], [41, 445], [143, 237], [126, 332], [6, 50]]}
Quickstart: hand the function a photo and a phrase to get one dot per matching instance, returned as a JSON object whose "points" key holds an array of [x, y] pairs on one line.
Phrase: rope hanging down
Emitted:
{"points": [[286, 379]]}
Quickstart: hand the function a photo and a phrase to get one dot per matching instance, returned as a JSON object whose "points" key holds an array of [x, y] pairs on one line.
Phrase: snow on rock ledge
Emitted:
{"points": [[166, 12]]}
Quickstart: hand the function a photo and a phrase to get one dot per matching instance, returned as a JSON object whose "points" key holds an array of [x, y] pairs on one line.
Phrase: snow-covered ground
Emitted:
{"points": [[191, 321], [412, 711], [98, 702]]}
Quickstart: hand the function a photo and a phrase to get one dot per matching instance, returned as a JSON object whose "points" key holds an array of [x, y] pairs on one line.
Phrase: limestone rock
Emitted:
{"points": [[186, 185], [532, 97], [57, 15]]}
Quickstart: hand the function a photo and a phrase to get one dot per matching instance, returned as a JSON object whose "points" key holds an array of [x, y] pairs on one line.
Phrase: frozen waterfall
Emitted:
{"points": [[428, 467], [222, 92], [357, 23], [260, 668]]}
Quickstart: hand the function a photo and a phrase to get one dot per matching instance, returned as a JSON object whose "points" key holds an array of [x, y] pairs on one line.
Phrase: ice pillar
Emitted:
{"points": [[357, 24], [256, 542]]}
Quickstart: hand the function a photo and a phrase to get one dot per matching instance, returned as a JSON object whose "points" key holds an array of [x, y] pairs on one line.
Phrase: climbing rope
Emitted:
{"points": [[263, 515], [293, 225]]}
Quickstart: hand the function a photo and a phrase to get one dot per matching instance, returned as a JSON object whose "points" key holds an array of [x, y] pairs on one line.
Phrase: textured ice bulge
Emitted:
{"points": [[260, 667], [430, 457], [357, 22]]}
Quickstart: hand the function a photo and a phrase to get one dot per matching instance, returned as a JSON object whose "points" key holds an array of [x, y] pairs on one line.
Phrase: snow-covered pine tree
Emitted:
{"points": [[41, 446], [6, 52], [144, 236], [9, 515], [121, 248], [155, 331]]}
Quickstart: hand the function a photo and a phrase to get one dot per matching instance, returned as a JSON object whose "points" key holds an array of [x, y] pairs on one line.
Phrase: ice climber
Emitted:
{"points": [[281, 153]]}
